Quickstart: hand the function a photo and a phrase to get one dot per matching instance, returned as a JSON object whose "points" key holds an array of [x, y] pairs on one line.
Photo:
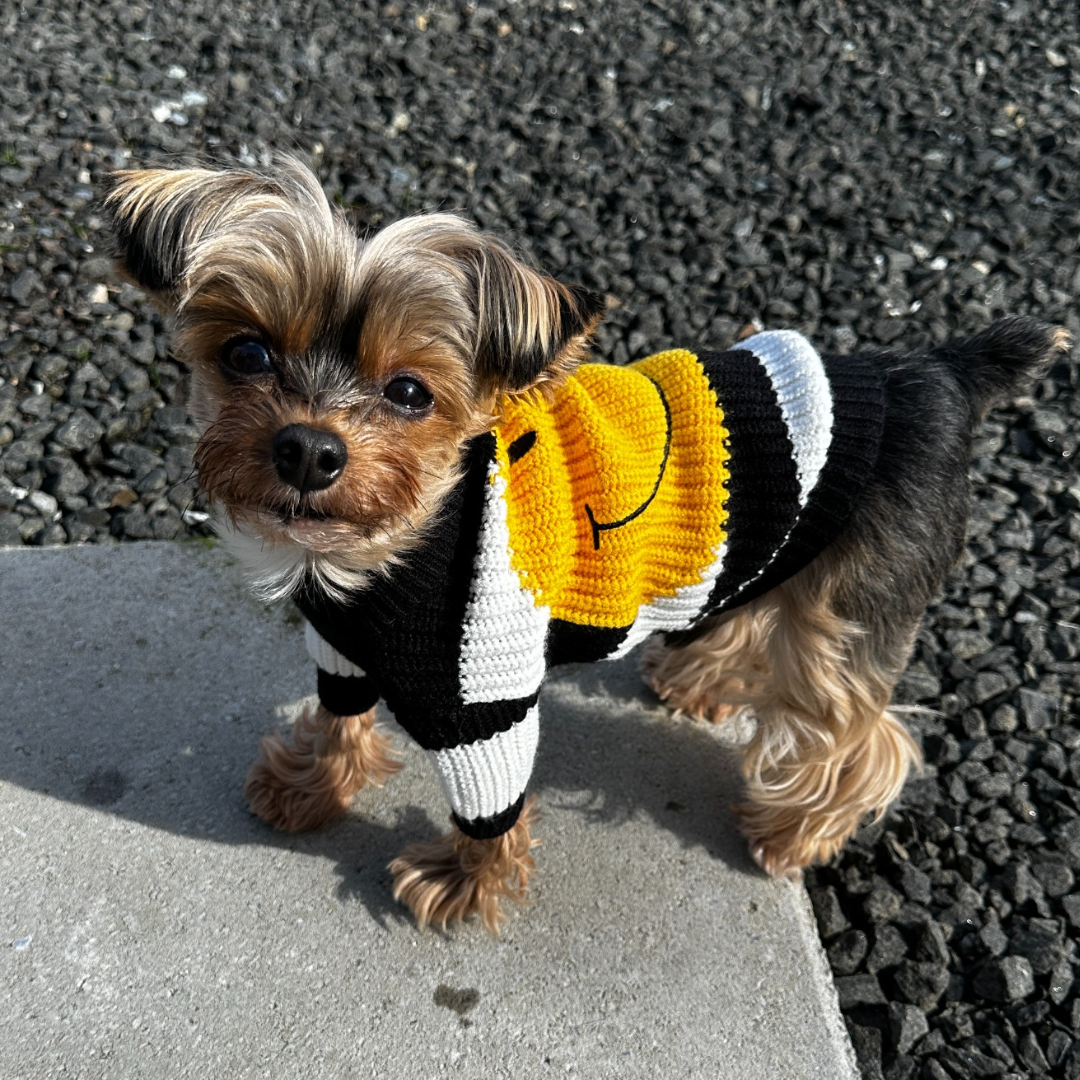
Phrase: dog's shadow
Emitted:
{"points": [[171, 748]]}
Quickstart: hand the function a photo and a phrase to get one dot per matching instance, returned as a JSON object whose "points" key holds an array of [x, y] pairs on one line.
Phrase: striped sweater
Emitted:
{"points": [[638, 499]]}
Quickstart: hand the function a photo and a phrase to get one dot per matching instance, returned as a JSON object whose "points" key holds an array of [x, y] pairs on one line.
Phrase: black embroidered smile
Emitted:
{"points": [[602, 526]]}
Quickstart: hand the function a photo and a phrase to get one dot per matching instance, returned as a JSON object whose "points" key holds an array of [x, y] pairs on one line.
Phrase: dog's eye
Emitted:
{"points": [[245, 357], [408, 393]]}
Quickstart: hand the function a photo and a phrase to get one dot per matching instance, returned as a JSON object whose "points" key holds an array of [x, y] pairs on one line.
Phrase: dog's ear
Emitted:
{"points": [[157, 216], [529, 327]]}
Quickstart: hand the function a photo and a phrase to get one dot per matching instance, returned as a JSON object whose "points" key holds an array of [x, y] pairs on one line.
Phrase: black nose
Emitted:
{"points": [[307, 458]]}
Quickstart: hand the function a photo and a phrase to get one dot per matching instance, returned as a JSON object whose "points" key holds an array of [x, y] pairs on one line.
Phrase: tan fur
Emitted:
{"points": [[825, 751], [455, 877], [233, 254], [309, 780], [714, 676]]}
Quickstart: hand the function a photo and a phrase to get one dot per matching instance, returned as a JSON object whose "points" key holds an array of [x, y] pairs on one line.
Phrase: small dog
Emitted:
{"points": [[399, 434]]}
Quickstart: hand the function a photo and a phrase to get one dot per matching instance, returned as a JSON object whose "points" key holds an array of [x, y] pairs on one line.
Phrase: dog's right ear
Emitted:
{"points": [[157, 216]]}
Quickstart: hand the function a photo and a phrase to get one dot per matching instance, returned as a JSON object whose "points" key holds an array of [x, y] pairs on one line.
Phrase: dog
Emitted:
{"points": [[400, 433]]}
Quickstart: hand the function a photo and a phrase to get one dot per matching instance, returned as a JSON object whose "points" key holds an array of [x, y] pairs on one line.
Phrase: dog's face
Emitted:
{"points": [[337, 379]]}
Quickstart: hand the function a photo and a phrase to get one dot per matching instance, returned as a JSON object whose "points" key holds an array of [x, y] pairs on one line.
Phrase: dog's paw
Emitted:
{"points": [[776, 863], [456, 877], [291, 803], [309, 779], [688, 688]]}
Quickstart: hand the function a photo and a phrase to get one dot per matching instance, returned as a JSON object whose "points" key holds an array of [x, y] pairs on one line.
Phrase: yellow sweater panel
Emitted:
{"points": [[600, 521]]}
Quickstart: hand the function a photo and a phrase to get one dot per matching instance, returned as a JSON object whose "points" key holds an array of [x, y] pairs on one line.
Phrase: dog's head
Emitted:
{"points": [[337, 378]]}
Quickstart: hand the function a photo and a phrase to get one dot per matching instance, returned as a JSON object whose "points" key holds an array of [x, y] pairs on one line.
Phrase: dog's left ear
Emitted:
{"points": [[530, 327]]}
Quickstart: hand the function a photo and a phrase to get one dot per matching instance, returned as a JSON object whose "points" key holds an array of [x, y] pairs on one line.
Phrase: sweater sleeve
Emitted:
{"points": [[485, 780], [344, 688], [486, 765]]}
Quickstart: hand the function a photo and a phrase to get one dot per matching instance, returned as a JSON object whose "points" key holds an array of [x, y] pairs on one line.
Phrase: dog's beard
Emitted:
{"points": [[277, 568]]}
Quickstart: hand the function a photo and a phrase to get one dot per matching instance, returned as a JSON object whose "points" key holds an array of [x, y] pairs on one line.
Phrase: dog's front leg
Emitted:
{"points": [[449, 879], [309, 779], [487, 857]]}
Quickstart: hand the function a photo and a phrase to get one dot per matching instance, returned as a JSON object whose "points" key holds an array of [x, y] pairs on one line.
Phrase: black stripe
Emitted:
{"points": [[857, 384], [763, 501], [404, 628], [347, 695], [463, 725], [574, 643], [487, 828]]}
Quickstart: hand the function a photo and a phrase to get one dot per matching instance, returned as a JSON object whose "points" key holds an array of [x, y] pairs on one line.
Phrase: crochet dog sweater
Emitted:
{"points": [[637, 499]]}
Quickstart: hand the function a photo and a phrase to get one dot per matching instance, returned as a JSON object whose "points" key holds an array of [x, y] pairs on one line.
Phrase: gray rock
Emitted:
{"points": [[993, 939], [10, 529], [1055, 877], [80, 432], [24, 285], [65, 478], [830, 916], [853, 990], [915, 883], [1061, 981], [989, 684], [889, 949], [921, 983], [907, 1024], [1031, 1053], [847, 952], [1008, 978], [866, 1042], [1037, 711], [883, 903], [1040, 943], [968, 1061]]}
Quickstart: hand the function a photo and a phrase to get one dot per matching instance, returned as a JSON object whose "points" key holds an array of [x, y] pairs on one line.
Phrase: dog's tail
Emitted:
{"points": [[1006, 359]]}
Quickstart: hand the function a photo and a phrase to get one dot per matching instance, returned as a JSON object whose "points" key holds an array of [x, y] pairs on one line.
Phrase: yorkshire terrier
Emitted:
{"points": [[401, 435]]}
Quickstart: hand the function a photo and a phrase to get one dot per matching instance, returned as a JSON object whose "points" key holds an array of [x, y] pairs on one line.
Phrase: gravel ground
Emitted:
{"points": [[867, 171]]}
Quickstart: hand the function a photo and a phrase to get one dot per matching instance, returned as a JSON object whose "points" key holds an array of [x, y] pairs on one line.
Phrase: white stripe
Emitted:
{"points": [[798, 377], [502, 644], [797, 373], [802, 389], [483, 778], [678, 612], [326, 656]]}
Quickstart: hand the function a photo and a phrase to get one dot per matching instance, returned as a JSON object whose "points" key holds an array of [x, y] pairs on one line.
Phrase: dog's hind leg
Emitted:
{"points": [[716, 671], [826, 750], [309, 779]]}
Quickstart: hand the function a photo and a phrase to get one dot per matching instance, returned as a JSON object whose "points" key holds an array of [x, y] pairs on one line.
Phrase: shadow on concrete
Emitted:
{"points": [[145, 696]]}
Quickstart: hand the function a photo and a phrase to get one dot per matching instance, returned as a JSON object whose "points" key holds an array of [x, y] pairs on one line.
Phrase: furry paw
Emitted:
{"points": [[782, 845], [309, 780], [449, 879]]}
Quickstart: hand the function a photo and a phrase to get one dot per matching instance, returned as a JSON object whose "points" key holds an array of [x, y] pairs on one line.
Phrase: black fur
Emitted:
{"points": [[152, 258], [152, 245], [908, 529]]}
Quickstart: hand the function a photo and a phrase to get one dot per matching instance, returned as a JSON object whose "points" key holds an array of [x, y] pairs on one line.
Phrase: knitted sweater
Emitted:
{"points": [[638, 499]]}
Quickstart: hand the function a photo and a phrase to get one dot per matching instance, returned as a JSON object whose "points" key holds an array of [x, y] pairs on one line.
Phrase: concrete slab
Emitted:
{"points": [[150, 926]]}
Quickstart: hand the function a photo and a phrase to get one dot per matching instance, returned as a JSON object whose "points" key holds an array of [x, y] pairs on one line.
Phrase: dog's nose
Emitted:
{"points": [[307, 458]]}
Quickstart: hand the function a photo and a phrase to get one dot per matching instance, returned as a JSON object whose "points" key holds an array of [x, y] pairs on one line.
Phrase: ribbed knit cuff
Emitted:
{"points": [[326, 656], [485, 779], [347, 695]]}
